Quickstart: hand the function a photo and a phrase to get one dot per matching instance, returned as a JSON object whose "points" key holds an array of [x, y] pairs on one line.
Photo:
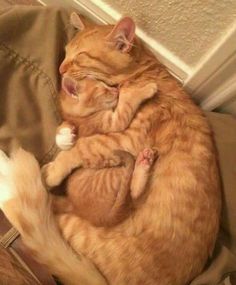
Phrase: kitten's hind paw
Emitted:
{"points": [[141, 172], [146, 158]]}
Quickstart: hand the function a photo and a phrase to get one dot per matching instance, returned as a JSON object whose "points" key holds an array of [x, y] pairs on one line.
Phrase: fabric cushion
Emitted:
{"points": [[32, 41]]}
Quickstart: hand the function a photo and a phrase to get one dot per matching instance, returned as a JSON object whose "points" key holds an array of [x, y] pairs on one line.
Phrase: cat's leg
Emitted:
{"points": [[26, 204], [130, 99], [90, 152], [66, 136], [141, 172]]}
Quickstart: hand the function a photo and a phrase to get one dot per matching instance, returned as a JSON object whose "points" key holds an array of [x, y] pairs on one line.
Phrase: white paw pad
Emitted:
{"points": [[65, 138]]}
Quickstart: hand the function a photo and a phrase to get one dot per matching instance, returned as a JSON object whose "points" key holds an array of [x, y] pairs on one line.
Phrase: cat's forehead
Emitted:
{"points": [[90, 37]]}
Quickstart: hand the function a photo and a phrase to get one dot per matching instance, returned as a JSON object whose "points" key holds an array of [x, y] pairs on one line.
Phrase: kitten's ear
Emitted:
{"points": [[76, 21], [123, 34], [69, 85]]}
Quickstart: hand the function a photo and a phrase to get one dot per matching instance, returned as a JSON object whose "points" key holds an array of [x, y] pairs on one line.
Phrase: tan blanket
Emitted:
{"points": [[32, 41]]}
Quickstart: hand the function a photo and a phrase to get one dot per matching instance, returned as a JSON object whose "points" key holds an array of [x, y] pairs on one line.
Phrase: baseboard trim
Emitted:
{"points": [[214, 67]]}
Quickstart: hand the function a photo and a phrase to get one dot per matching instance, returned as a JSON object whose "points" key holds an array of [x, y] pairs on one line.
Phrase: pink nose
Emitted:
{"points": [[63, 67]]}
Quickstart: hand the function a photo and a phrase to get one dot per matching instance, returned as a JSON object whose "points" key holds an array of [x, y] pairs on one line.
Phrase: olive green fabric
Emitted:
{"points": [[32, 41]]}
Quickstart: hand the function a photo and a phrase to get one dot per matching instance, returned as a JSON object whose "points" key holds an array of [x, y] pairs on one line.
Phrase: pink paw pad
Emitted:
{"points": [[146, 157]]}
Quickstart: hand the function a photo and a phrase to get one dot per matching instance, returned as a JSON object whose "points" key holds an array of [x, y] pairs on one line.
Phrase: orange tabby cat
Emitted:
{"points": [[171, 233], [103, 197]]}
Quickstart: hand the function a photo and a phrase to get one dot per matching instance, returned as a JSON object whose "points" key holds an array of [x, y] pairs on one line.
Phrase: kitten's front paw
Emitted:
{"points": [[149, 90], [51, 176], [65, 138]]}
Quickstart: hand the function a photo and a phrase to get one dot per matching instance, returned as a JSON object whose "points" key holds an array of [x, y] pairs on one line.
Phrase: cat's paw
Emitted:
{"points": [[148, 91], [51, 176], [146, 158], [6, 191], [66, 137]]}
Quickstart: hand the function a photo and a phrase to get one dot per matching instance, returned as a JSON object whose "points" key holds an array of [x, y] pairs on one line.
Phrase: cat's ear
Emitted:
{"points": [[69, 85], [76, 21], [123, 34]]}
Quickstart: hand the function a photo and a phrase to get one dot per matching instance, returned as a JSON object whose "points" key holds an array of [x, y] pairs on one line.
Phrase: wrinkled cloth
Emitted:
{"points": [[32, 41]]}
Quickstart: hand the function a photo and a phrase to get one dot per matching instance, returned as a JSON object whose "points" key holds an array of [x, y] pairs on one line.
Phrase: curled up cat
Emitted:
{"points": [[102, 196], [171, 231]]}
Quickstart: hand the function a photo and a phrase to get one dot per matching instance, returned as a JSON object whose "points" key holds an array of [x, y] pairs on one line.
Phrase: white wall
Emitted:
{"points": [[195, 39], [187, 28]]}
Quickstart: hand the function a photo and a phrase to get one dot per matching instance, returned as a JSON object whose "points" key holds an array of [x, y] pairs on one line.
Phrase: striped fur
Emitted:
{"points": [[171, 233], [104, 196]]}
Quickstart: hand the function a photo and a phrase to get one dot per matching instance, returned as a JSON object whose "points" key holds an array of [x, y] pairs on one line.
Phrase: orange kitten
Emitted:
{"points": [[102, 197], [171, 233]]}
